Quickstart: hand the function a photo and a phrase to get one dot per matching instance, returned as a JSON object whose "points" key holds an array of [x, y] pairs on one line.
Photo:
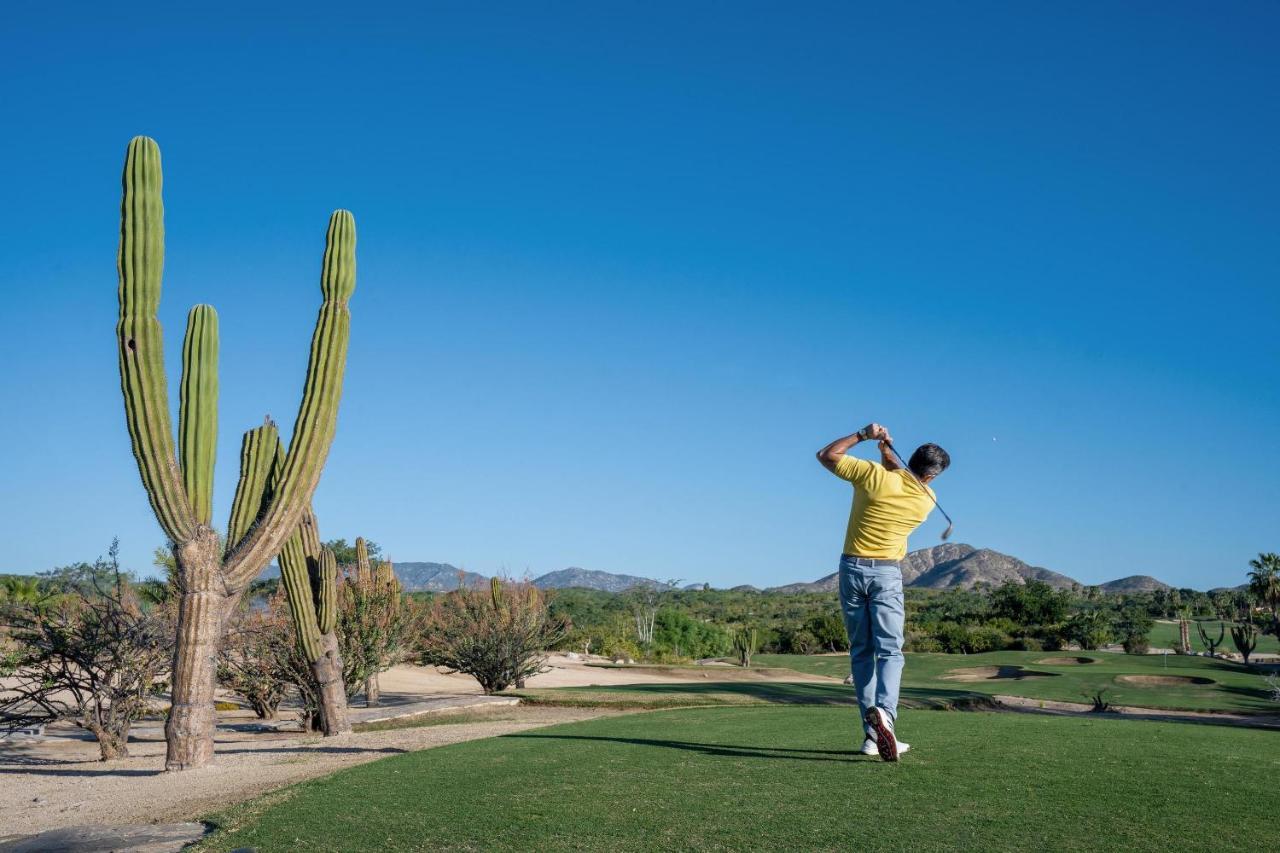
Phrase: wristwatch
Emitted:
{"points": [[862, 434]]}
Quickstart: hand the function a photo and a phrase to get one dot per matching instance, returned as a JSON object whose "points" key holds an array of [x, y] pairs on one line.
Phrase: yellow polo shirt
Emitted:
{"points": [[887, 506]]}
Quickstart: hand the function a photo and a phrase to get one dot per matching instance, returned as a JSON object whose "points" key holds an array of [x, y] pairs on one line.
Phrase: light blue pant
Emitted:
{"points": [[874, 616]]}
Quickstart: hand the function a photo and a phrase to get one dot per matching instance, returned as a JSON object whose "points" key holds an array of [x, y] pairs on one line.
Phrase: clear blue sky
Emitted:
{"points": [[624, 267]]}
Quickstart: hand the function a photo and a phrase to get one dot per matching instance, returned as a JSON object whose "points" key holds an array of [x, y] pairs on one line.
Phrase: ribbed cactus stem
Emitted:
{"points": [[363, 572], [198, 410], [386, 575], [318, 414], [140, 263], [495, 592], [296, 577], [259, 458], [326, 591]]}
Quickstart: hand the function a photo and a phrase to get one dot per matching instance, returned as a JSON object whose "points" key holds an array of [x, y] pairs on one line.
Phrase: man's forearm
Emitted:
{"points": [[831, 454]]}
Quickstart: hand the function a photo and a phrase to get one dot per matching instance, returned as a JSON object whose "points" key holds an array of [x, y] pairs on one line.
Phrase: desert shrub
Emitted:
{"points": [[375, 623], [678, 635], [1026, 644], [800, 641], [255, 658], [91, 655], [496, 635], [1136, 645], [985, 638], [829, 631], [620, 648], [916, 642]]}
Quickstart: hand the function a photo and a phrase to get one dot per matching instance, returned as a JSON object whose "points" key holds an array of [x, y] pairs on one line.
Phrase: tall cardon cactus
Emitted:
{"points": [[270, 499]]}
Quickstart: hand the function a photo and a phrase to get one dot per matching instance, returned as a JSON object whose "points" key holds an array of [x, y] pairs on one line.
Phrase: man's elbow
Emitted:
{"points": [[827, 459]]}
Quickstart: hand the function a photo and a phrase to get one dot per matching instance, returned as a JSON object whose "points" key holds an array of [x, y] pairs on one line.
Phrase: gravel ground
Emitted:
{"points": [[48, 787]]}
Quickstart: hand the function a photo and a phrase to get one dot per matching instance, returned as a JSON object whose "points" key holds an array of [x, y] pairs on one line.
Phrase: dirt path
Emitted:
{"points": [[40, 792], [57, 781]]}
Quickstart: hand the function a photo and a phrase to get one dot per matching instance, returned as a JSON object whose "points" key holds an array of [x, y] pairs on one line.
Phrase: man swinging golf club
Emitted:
{"points": [[889, 501]]}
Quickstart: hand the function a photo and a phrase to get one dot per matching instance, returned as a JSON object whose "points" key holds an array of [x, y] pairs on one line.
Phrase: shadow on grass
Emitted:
{"points": [[783, 693], [717, 749]]}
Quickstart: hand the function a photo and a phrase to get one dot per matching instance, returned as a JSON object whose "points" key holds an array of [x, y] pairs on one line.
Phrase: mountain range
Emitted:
{"points": [[945, 566], [959, 566]]}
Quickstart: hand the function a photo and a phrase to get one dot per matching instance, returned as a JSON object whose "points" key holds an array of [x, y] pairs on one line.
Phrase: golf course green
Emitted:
{"points": [[1149, 681], [787, 777]]}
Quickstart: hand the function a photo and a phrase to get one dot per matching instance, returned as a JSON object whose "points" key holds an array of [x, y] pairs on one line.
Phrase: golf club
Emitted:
{"points": [[946, 534]]}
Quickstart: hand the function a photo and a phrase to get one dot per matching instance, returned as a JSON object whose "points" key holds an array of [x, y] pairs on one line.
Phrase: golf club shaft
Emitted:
{"points": [[904, 464]]}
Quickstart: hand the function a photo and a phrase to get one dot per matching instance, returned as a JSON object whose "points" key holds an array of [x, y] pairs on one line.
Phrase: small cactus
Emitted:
{"points": [[1211, 645], [1245, 638], [745, 642]]}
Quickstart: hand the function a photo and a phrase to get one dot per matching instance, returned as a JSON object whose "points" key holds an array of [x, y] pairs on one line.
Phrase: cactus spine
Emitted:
{"points": [[270, 498]]}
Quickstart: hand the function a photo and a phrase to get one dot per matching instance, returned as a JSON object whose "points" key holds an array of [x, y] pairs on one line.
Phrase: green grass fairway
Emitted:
{"points": [[1164, 635], [1234, 688], [785, 777]]}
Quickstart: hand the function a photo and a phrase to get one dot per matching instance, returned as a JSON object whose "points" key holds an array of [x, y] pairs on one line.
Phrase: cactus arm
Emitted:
{"points": [[140, 263], [326, 589], [198, 410], [259, 452], [318, 413], [297, 585], [363, 572]]}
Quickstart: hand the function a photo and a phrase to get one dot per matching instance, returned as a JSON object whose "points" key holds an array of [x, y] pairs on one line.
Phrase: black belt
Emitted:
{"points": [[875, 563]]}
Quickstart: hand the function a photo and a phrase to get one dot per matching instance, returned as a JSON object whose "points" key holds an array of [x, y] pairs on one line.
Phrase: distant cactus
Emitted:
{"points": [[745, 643], [1245, 637], [179, 481], [373, 623], [1211, 645]]}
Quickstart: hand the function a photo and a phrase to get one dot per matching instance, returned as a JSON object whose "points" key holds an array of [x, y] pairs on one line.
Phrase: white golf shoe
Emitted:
{"points": [[869, 747], [886, 743]]}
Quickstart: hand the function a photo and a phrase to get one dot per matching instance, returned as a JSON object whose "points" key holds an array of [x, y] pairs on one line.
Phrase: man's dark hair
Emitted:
{"points": [[929, 460]]}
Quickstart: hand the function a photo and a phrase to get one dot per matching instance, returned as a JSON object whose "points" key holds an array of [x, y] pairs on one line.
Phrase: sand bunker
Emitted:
{"points": [[984, 673], [1067, 661], [1165, 680]]}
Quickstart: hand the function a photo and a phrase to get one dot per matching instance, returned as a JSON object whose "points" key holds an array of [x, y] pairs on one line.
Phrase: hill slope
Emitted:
{"points": [[594, 579], [951, 566], [1134, 583]]}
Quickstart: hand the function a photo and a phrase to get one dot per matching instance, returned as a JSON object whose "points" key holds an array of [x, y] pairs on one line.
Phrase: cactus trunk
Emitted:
{"points": [[202, 609], [270, 498]]}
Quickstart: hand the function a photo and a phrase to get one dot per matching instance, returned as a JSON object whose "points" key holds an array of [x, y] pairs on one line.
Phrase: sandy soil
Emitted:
{"points": [[45, 793], [987, 673], [58, 781]]}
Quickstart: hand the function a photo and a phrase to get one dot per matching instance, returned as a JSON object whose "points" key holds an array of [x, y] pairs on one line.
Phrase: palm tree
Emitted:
{"points": [[1264, 581]]}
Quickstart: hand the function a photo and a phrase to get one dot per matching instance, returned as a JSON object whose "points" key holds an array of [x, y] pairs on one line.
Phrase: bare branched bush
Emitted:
{"points": [[496, 635], [255, 658], [90, 653]]}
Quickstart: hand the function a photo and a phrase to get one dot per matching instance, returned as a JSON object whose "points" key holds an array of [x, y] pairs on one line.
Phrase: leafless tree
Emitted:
{"points": [[90, 654]]}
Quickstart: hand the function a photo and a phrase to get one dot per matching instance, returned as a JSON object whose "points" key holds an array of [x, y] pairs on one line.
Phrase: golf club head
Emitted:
{"points": [[946, 534]]}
